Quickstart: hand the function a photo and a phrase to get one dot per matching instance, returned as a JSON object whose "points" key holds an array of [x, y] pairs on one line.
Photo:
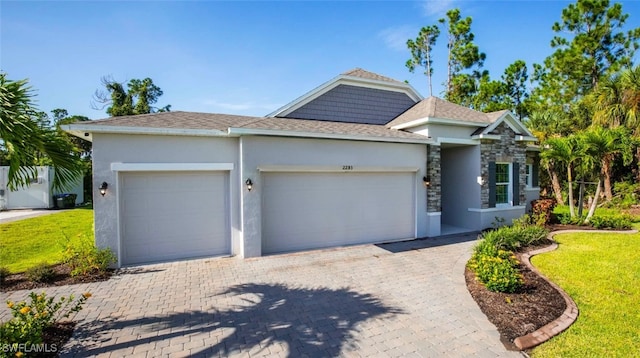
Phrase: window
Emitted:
{"points": [[503, 183], [529, 175]]}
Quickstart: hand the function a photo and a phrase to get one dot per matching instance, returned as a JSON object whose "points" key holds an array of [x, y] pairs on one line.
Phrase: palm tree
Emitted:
{"points": [[601, 146], [617, 103], [23, 140], [567, 151]]}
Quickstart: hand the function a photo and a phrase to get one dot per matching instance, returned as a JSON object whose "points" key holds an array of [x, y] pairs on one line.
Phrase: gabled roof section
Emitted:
{"points": [[510, 120], [356, 77], [226, 125], [434, 110]]}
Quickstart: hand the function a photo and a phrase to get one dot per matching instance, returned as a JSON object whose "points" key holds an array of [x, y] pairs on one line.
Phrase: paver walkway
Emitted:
{"points": [[401, 299]]}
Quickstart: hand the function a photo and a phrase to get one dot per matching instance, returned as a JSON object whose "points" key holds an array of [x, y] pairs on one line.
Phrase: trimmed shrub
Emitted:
{"points": [[619, 222], [42, 272], [498, 273], [541, 210]]}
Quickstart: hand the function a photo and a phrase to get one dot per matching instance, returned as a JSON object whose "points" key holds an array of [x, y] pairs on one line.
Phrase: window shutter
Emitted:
{"points": [[492, 184], [534, 175], [515, 183]]}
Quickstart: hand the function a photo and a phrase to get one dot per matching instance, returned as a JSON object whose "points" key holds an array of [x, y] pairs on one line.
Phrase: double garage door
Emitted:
{"points": [[315, 210], [174, 215]]}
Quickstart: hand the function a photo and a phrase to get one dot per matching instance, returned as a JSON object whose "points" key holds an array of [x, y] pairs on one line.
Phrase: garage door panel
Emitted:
{"points": [[174, 215], [312, 210]]}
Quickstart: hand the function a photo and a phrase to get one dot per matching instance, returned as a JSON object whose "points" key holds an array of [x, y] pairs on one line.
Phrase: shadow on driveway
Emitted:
{"points": [[317, 322], [419, 244]]}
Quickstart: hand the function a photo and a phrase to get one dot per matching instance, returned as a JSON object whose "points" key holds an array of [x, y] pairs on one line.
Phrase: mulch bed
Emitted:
{"points": [[517, 314], [62, 277]]}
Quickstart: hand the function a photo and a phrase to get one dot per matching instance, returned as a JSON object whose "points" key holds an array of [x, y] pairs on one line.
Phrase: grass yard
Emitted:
{"points": [[26, 243], [601, 273]]}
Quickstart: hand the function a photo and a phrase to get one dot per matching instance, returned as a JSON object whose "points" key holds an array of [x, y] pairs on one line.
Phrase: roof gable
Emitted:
{"points": [[434, 108], [353, 78]]}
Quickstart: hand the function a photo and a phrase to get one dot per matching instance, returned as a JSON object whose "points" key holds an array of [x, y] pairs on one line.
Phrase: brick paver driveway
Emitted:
{"points": [[401, 299]]}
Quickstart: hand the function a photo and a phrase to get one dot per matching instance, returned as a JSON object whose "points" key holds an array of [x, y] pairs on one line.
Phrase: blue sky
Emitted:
{"points": [[248, 57]]}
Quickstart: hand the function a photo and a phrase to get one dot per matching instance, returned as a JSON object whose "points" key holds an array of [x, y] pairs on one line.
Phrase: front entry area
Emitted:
{"points": [[309, 210]]}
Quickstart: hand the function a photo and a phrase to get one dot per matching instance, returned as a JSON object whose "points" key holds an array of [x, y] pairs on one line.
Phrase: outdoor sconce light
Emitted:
{"points": [[249, 184], [480, 180], [426, 181], [103, 188]]}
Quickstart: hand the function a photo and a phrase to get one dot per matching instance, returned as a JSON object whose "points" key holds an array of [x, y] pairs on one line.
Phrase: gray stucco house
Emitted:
{"points": [[362, 158]]}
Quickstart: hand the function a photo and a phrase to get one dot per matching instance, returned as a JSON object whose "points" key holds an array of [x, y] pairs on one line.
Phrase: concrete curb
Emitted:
{"points": [[570, 314]]}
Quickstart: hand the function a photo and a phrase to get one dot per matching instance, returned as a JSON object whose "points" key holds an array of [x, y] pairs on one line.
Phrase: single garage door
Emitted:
{"points": [[174, 215], [314, 210]]}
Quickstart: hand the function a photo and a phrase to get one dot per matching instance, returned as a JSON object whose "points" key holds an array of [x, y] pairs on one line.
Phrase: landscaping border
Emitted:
{"points": [[571, 313]]}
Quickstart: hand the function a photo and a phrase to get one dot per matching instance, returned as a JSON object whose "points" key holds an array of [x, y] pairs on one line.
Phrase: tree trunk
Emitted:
{"points": [[606, 173], [638, 164], [570, 179], [594, 204], [555, 185]]}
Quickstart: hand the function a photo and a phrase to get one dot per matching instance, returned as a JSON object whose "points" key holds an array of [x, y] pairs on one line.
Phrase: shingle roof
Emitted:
{"points": [[222, 122], [434, 107], [359, 72], [328, 127], [176, 120]]}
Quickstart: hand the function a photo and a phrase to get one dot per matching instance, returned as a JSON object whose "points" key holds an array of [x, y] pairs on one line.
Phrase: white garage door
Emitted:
{"points": [[174, 215], [315, 210]]}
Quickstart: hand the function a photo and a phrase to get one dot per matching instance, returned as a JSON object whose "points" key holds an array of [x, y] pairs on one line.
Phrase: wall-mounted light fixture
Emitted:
{"points": [[249, 184], [427, 181], [480, 180], [103, 188]]}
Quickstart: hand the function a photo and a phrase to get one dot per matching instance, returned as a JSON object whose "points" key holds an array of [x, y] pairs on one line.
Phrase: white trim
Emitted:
{"points": [[282, 133], [533, 188], [434, 213], [514, 124], [345, 80], [523, 138], [444, 121], [486, 136], [75, 129], [167, 167], [489, 210], [446, 140], [334, 169]]}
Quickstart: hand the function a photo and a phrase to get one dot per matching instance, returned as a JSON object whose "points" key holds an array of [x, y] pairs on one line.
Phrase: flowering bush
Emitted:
{"points": [[498, 273], [84, 258], [31, 319]]}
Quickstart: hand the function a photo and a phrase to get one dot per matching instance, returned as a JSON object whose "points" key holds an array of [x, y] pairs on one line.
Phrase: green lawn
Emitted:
{"points": [[601, 272], [26, 243]]}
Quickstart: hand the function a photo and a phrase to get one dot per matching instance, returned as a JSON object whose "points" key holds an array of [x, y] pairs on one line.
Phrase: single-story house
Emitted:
{"points": [[363, 158], [39, 193]]}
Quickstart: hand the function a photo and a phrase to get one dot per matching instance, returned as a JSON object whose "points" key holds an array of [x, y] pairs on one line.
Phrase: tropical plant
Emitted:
{"points": [[601, 146], [24, 139]]}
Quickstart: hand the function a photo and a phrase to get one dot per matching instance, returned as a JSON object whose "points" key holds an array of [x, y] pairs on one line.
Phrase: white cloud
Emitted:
{"points": [[396, 37], [437, 8]]}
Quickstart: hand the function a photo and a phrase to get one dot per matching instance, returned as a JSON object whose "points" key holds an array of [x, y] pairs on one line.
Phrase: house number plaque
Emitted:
{"points": [[347, 167]]}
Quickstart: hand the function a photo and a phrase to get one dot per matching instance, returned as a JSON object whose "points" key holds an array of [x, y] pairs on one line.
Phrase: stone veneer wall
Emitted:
{"points": [[504, 150], [434, 192]]}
